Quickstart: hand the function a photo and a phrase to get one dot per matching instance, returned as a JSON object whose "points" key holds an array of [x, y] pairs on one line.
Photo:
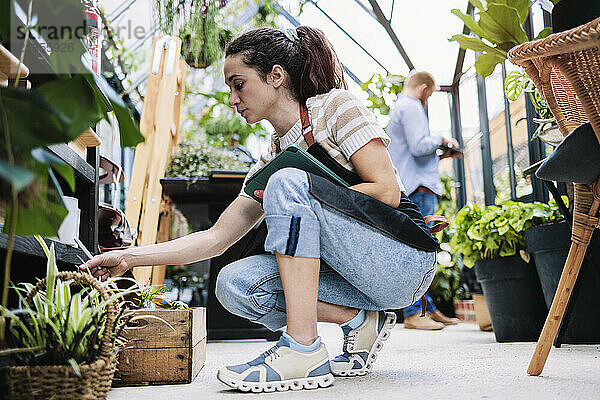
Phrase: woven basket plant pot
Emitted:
{"points": [[60, 382]]}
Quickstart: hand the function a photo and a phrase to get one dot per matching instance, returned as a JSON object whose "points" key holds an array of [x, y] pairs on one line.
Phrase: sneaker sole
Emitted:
{"points": [[390, 321], [279, 386]]}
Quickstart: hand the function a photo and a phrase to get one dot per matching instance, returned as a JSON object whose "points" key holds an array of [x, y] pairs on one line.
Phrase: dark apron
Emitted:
{"points": [[404, 223]]}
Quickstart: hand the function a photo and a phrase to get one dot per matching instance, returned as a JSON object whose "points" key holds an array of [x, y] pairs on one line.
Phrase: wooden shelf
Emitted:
{"points": [[83, 141], [30, 246], [9, 64], [68, 155]]}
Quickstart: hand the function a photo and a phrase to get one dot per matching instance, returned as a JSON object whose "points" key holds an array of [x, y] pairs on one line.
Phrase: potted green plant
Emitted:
{"points": [[549, 244], [492, 240], [62, 343]]}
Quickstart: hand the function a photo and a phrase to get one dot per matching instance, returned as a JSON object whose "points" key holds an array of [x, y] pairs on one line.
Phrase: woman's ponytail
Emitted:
{"points": [[322, 70], [307, 57]]}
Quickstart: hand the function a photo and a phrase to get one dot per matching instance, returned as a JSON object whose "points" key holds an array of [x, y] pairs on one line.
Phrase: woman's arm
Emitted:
{"points": [[372, 163], [237, 219]]}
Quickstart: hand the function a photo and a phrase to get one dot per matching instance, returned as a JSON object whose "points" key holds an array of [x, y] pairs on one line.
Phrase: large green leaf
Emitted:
{"points": [[477, 4], [32, 121], [65, 170], [43, 217], [522, 7], [486, 63], [502, 24], [44, 214], [470, 23], [544, 33], [475, 44], [18, 177], [79, 105], [130, 133]]}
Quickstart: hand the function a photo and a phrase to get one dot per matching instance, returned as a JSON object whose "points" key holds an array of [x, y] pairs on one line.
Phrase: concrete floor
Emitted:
{"points": [[459, 362]]}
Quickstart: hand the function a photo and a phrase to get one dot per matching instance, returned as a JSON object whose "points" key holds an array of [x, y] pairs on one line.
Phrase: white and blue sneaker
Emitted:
{"points": [[281, 368], [361, 344]]}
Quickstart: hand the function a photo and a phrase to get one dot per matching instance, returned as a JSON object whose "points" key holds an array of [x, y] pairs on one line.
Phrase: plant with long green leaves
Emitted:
{"points": [[499, 28], [498, 231], [62, 327]]}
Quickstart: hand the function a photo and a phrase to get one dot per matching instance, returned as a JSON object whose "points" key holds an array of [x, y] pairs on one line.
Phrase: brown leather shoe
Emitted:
{"points": [[438, 316], [424, 323]]}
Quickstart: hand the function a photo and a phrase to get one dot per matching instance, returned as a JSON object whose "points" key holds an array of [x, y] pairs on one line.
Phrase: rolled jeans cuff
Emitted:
{"points": [[293, 236]]}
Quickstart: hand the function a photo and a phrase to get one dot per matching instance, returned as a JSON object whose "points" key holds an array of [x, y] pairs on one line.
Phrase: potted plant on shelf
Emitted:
{"points": [[492, 240], [549, 244]]}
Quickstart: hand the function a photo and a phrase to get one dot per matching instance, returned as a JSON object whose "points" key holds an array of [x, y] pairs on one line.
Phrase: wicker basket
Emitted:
{"points": [[60, 381]]}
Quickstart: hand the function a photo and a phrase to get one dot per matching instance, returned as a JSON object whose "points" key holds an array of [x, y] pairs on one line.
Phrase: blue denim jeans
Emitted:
{"points": [[361, 266], [427, 203]]}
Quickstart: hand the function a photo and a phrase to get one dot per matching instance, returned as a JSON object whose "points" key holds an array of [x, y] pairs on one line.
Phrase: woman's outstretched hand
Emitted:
{"points": [[107, 265]]}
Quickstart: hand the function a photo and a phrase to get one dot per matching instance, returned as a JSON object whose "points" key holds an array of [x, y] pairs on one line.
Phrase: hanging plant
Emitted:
{"points": [[196, 22]]}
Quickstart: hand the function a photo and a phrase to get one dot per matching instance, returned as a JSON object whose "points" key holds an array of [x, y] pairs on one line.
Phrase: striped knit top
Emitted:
{"points": [[341, 124]]}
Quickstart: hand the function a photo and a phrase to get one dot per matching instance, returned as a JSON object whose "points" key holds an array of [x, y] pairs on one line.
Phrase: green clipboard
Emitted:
{"points": [[291, 156]]}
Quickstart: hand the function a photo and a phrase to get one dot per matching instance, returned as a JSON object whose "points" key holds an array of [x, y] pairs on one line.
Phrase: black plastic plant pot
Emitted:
{"points": [[514, 298], [549, 245]]}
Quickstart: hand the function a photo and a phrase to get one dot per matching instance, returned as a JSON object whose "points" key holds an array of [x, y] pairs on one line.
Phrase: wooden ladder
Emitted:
{"points": [[160, 126]]}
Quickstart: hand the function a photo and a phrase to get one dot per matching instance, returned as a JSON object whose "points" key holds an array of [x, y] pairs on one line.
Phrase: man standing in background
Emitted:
{"points": [[414, 153]]}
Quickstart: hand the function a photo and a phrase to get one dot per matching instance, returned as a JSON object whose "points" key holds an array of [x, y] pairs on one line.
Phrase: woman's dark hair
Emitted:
{"points": [[309, 60]]}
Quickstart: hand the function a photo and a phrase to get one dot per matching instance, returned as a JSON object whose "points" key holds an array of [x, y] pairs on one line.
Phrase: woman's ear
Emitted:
{"points": [[277, 76]]}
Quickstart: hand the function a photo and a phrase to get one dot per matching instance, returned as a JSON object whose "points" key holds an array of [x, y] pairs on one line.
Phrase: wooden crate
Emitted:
{"points": [[158, 354]]}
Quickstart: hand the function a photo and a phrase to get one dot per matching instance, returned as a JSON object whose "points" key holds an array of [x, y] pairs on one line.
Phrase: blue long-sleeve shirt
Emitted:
{"points": [[413, 147]]}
